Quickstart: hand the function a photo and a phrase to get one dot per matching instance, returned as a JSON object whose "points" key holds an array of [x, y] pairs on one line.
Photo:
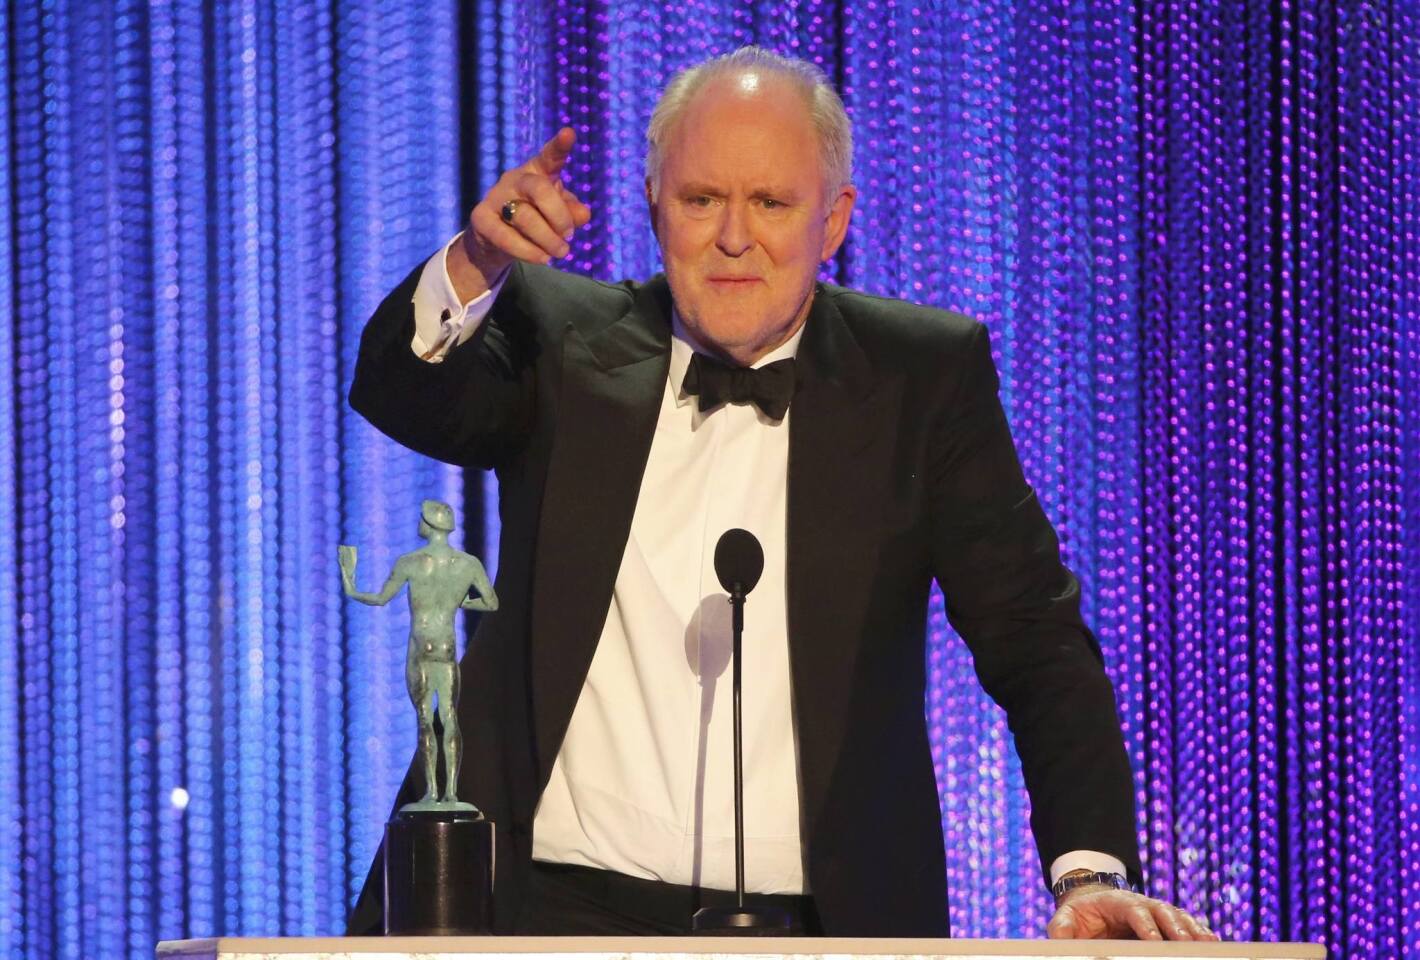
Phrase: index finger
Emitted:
{"points": [[553, 155]]}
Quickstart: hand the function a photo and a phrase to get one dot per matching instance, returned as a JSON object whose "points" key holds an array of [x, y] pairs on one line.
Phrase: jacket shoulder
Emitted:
{"points": [[904, 336], [558, 298]]}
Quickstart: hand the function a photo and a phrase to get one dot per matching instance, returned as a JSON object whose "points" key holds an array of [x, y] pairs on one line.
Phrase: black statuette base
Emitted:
{"points": [[438, 875], [743, 921]]}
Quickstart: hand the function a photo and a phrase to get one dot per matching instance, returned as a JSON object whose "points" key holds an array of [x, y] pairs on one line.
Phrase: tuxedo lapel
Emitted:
{"points": [[839, 432], [609, 398]]}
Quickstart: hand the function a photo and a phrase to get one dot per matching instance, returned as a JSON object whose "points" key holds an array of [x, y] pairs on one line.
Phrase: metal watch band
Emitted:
{"points": [[1086, 878]]}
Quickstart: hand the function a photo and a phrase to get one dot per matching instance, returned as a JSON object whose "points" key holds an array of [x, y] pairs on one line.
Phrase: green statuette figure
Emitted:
{"points": [[439, 579]]}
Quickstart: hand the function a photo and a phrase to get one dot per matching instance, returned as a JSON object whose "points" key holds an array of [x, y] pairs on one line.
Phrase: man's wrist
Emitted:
{"points": [[472, 272], [1084, 879]]}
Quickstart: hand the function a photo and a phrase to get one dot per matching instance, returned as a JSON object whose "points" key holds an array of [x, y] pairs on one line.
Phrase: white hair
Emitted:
{"points": [[826, 113]]}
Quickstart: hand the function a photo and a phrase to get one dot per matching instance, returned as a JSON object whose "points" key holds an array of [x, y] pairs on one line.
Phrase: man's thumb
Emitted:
{"points": [[1062, 925]]}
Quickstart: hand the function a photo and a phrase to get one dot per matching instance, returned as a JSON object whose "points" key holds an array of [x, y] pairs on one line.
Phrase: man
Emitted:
{"points": [[627, 434]]}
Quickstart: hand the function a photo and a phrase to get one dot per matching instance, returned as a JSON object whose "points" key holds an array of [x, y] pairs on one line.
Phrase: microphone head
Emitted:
{"points": [[739, 560]]}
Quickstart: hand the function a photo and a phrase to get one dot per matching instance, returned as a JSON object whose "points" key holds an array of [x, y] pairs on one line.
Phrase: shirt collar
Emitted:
{"points": [[683, 345]]}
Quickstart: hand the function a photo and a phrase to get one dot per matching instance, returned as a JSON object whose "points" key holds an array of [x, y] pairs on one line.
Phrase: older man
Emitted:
{"points": [[861, 439]]}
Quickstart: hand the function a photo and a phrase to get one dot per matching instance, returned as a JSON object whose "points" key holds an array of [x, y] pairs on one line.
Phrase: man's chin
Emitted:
{"points": [[725, 337]]}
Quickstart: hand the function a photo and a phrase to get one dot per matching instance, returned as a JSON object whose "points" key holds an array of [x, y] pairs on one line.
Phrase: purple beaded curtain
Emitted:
{"points": [[1277, 269]]}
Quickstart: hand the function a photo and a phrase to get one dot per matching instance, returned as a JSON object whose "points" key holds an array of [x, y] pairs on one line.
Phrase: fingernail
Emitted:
{"points": [[568, 235]]}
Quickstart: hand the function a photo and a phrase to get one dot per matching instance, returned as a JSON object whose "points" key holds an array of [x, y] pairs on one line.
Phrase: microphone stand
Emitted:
{"points": [[740, 920]]}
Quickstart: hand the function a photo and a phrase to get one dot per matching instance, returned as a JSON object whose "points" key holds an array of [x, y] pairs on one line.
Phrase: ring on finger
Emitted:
{"points": [[509, 210]]}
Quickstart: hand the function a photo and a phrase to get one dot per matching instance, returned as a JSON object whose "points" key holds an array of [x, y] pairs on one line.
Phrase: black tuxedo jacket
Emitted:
{"points": [[901, 469]]}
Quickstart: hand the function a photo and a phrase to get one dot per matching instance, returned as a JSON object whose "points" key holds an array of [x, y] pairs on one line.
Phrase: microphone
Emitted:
{"points": [[739, 562]]}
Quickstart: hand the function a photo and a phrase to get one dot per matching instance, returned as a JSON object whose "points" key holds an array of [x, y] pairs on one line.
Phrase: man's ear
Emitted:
{"points": [[651, 209], [839, 213]]}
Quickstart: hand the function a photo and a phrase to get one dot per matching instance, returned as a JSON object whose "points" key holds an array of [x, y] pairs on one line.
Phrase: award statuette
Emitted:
{"points": [[438, 849]]}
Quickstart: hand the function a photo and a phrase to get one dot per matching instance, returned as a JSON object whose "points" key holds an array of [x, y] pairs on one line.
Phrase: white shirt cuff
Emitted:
{"points": [[1085, 860], [441, 320]]}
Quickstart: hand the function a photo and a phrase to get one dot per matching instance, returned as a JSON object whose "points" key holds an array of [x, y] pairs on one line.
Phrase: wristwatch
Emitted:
{"points": [[1087, 878]]}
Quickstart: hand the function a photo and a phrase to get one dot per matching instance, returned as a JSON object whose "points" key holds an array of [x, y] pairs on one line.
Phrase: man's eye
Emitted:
{"points": [[771, 204], [701, 201]]}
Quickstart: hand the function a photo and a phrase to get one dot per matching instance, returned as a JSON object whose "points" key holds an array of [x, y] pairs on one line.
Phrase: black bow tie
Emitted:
{"points": [[769, 387]]}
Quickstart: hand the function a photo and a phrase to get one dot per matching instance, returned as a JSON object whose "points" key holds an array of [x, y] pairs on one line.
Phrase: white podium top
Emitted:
{"points": [[709, 948]]}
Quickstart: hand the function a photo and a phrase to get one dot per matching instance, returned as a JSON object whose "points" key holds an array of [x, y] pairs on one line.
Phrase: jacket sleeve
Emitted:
{"points": [[473, 409], [1015, 604]]}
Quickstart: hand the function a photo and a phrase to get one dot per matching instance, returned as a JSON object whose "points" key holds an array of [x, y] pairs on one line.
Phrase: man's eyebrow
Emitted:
{"points": [[774, 193], [696, 188]]}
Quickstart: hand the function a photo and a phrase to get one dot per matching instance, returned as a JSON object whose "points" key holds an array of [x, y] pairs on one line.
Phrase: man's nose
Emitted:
{"points": [[734, 238]]}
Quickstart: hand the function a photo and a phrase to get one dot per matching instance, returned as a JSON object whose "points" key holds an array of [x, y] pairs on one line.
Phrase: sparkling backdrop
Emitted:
{"points": [[1192, 229], [199, 216]]}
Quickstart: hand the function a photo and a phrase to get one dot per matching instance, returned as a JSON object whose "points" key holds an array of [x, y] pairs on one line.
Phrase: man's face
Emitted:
{"points": [[742, 217]]}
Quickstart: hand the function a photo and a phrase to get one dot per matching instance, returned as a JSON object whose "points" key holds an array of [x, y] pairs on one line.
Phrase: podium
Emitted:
{"points": [[712, 948]]}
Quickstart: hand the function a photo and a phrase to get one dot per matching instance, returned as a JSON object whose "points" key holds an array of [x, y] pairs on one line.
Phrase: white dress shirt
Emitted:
{"points": [[643, 782]]}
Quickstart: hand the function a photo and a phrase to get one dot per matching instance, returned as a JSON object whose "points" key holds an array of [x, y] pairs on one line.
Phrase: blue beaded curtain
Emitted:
{"points": [[203, 203], [1191, 229]]}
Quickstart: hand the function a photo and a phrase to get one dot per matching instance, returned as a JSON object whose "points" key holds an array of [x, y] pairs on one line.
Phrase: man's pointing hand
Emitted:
{"points": [[529, 214]]}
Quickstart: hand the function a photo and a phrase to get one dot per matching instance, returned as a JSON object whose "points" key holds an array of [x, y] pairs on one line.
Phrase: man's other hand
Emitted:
{"points": [[529, 214], [1103, 913]]}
